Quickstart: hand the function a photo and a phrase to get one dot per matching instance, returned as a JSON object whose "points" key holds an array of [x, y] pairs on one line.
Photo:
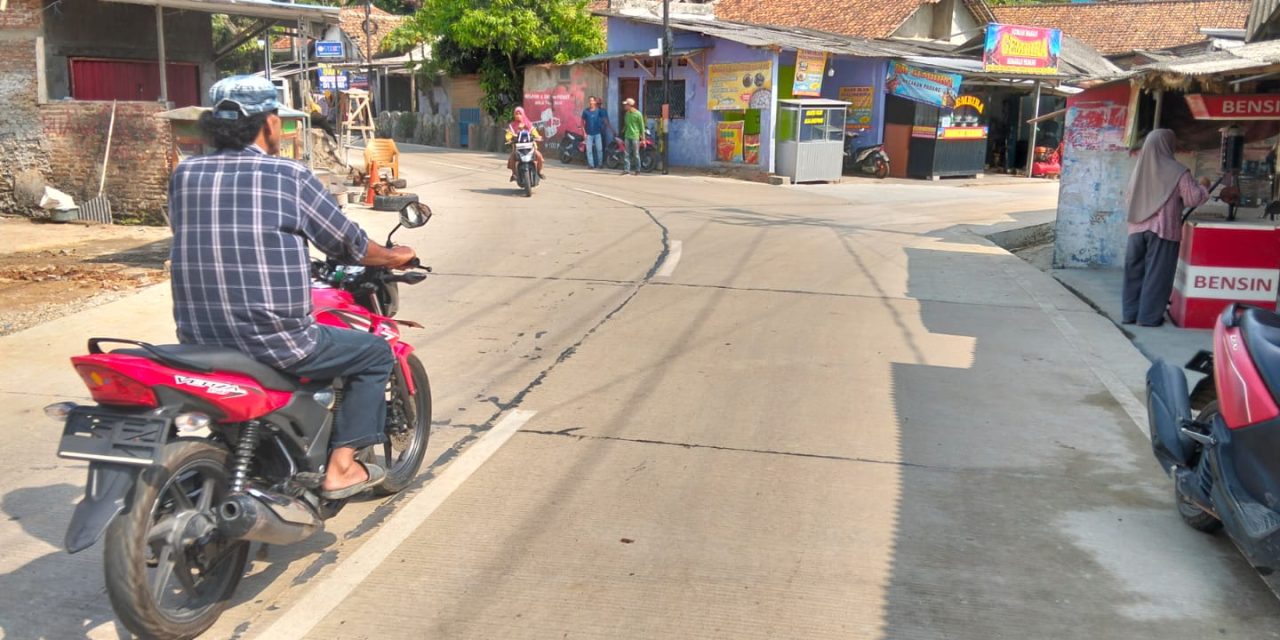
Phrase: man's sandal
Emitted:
{"points": [[376, 476]]}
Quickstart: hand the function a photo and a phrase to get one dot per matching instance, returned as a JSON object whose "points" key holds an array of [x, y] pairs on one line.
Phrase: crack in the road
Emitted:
{"points": [[384, 510], [568, 433]]}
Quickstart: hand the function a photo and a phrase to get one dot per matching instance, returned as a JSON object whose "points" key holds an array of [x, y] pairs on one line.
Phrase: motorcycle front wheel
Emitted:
{"points": [[565, 156], [528, 180], [1192, 514], [613, 159], [882, 169], [408, 428], [169, 574]]}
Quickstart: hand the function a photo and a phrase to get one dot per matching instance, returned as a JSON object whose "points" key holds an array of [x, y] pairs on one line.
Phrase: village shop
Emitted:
{"points": [[728, 79], [1224, 108]]}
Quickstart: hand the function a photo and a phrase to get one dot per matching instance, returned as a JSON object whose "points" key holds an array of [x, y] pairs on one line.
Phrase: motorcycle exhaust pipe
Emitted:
{"points": [[262, 516]]}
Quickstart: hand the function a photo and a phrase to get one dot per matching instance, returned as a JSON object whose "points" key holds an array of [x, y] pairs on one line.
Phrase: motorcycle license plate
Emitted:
{"points": [[525, 146], [98, 434]]}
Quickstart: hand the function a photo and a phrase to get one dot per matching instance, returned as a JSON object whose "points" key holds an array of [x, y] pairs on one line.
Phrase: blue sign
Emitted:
{"points": [[329, 49]]}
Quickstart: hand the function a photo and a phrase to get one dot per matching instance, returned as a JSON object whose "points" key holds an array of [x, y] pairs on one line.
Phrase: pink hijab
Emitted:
{"points": [[521, 120]]}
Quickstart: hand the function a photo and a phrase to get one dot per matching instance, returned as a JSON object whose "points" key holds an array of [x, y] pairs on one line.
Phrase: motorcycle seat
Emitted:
{"points": [[219, 359], [1261, 332]]}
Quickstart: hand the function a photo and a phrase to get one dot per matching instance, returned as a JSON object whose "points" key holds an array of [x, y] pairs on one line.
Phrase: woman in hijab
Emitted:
{"points": [[1159, 190], [522, 123]]}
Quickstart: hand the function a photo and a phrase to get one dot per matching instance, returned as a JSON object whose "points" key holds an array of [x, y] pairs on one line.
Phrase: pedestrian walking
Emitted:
{"points": [[632, 133], [595, 121], [1159, 189]]}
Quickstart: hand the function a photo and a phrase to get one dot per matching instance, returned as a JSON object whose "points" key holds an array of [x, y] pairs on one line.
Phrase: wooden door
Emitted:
{"points": [[627, 88]]}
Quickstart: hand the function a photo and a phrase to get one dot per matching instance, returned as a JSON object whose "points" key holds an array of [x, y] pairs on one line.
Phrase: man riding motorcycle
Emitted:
{"points": [[242, 219]]}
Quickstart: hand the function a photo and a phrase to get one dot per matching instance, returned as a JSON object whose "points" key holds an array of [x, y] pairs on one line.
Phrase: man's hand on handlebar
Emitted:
{"points": [[394, 258]]}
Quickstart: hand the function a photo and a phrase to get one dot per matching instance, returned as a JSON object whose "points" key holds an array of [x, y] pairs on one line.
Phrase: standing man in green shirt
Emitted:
{"points": [[632, 132]]}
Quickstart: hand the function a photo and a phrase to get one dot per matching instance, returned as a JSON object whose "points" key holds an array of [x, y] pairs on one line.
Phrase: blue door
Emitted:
{"points": [[466, 118]]}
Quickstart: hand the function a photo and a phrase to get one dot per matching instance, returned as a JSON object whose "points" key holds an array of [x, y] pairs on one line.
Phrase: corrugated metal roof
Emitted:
{"points": [[1236, 60], [1261, 19], [254, 8]]}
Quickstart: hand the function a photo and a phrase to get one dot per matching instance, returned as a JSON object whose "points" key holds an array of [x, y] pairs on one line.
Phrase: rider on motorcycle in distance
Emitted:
{"points": [[522, 123], [242, 219]]}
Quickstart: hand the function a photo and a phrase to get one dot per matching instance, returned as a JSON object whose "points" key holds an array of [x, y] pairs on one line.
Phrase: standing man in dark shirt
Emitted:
{"points": [[242, 220], [595, 121]]}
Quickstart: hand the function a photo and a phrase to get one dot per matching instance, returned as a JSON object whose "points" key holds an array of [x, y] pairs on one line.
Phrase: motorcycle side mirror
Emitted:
{"points": [[411, 217]]}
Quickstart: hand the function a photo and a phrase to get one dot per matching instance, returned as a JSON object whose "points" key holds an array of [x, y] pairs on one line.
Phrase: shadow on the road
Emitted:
{"points": [[151, 255], [1028, 503], [511, 191]]}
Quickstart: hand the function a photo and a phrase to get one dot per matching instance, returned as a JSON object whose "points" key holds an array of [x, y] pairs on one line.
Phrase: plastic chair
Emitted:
{"points": [[384, 152]]}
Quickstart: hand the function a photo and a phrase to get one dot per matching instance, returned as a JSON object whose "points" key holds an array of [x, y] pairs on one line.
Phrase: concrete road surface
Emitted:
{"points": [[682, 407]]}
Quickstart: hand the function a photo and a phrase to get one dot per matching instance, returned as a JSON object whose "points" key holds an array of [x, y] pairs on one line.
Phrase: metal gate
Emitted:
{"points": [[466, 118]]}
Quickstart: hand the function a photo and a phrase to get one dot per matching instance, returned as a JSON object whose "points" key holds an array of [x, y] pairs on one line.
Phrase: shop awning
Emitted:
{"points": [[253, 8]]}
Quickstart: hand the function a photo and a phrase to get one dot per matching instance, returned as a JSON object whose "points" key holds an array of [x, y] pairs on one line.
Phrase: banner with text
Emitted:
{"points": [[861, 107], [810, 67], [921, 85], [741, 85], [1021, 50]]}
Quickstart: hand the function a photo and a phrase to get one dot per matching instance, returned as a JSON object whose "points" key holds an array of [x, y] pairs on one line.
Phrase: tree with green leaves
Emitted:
{"points": [[495, 39]]}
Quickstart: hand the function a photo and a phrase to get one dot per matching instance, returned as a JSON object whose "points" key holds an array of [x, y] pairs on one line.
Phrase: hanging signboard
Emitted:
{"points": [[741, 85], [921, 85], [1241, 107], [861, 106], [810, 67], [1021, 50], [330, 49], [332, 79]]}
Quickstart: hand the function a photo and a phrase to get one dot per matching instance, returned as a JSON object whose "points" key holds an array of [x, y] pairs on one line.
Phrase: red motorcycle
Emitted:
{"points": [[1223, 462], [615, 156], [196, 451]]}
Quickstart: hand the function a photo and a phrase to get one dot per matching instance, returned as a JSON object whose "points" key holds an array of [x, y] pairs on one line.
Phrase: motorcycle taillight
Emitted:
{"points": [[1243, 398], [112, 387]]}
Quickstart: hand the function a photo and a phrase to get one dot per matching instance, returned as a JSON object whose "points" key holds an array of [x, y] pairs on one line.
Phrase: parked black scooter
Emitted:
{"points": [[872, 159], [573, 148], [1224, 465]]}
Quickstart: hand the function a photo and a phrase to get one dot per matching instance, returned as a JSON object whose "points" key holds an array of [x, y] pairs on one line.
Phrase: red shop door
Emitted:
{"points": [[137, 80]]}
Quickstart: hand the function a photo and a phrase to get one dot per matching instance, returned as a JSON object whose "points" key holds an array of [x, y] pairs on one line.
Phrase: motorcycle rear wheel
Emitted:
{"points": [[160, 589], [648, 160], [1193, 515]]}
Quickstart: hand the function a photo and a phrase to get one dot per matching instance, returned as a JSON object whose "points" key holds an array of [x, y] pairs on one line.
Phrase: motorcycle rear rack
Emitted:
{"points": [[95, 348]]}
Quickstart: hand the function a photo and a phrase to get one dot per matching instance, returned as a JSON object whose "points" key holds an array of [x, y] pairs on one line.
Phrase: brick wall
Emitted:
{"points": [[138, 169], [21, 142]]}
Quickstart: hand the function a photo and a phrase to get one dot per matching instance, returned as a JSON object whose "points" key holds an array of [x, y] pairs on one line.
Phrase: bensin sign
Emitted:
{"points": [[1242, 107], [1021, 50], [1229, 283]]}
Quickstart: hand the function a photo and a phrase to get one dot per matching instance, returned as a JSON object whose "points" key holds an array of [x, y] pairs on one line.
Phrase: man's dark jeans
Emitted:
{"points": [[364, 362]]}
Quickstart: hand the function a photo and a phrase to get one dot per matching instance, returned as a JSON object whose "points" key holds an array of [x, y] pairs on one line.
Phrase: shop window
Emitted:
{"points": [[653, 99]]}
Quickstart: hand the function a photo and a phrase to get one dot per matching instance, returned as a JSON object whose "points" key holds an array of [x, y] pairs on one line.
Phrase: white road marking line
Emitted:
{"points": [[328, 593], [669, 264], [608, 197]]}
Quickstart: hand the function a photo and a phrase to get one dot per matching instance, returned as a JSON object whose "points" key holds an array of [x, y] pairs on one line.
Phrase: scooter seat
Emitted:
{"points": [[219, 359], [1261, 332]]}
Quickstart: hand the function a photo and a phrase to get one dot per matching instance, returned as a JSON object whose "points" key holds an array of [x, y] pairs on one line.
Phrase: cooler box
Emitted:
{"points": [[1220, 263]]}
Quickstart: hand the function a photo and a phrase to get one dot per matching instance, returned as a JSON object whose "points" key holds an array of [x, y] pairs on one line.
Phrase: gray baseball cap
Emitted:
{"points": [[245, 96]]}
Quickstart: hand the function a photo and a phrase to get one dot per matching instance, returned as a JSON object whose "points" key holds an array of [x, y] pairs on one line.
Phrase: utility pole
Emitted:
{"points": [[369, 30], [665, 122]]}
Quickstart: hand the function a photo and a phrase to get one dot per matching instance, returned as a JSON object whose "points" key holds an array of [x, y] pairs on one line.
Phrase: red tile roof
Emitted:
{"points": [[865, 18], [352, 23], [1120, 27]]}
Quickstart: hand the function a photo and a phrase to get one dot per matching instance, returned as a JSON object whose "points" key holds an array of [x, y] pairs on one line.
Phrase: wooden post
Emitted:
{"points": [[1159, 108], [164, 68]]}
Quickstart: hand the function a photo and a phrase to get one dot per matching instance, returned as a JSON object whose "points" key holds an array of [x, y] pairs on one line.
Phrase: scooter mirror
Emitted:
{"points": [[413, 216]]}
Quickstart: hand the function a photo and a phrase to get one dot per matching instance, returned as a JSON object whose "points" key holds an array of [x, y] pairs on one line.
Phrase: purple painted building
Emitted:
{"points": [[699, 43]]}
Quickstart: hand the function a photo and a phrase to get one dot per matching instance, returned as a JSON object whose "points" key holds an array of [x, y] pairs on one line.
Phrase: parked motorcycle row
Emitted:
{"points": [[573, 148]]}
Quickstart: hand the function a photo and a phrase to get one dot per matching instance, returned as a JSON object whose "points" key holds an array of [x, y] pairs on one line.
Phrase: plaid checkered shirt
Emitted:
{"points": [[241, 272]]}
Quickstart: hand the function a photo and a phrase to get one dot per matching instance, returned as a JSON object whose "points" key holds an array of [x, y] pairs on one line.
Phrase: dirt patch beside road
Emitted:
{"points": [[85, 270]]}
